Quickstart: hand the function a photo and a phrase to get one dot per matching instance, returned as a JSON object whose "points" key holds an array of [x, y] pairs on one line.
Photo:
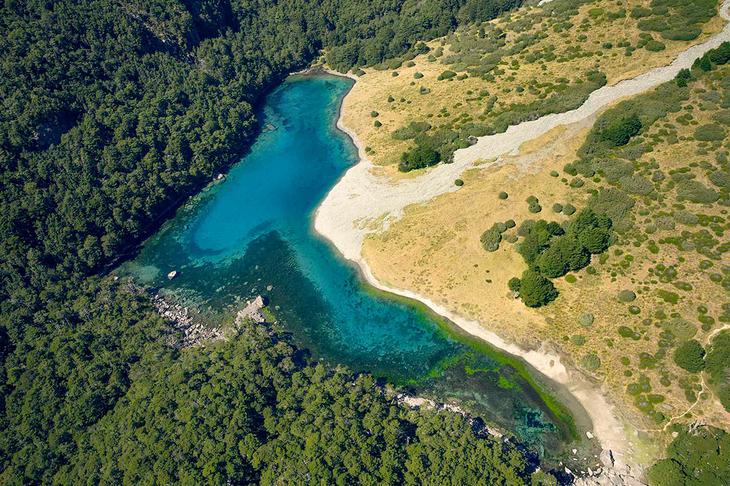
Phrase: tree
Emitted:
{"points": [[620, 131], [418, 158], [690, 356], [536, 290]]}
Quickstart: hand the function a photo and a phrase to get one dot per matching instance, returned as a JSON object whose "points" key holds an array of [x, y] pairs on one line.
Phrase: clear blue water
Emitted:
{"points": [[252, 234]]}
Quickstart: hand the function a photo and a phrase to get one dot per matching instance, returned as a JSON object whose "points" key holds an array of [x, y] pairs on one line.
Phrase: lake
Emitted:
{"points": [[252, 234]]}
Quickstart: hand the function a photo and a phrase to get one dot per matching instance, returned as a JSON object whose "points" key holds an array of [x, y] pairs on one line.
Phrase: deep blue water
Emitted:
{"points": [[252, 233]]}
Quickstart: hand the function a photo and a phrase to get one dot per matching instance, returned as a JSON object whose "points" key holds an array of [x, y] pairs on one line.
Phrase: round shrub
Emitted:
{"points": [[569, 210], [446, 75], [586, 320], [417, 75], [712, 132], [491, 239], [503, 195], [418, 158], [390, 99], [690, 356], [377, 124], [557, 208], [591, 362], [459, 182], [374, 114], [510, 223], [536, 290], [654, 46], [626, 296]]}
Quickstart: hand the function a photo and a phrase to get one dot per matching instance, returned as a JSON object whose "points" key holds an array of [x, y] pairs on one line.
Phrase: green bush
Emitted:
{"points": [[377, 124], [446, 75], [417, 75], [459, 182], [591, 362], [626, 296], [654, 46], [711, 132], [717, 365], [690, 356], [696, 192], [619, 132], [536, 290], [514, 284], [491, 239], [700, 457], [586, 320], [412, 130], [418, 158], [565, 253], [503, 195]]}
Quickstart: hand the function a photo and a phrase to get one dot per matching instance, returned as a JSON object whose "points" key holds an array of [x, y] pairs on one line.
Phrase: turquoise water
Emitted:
{"points": [[252, 234]]}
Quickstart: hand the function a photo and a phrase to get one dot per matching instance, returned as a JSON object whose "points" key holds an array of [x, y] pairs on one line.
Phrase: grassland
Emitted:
{"points": [[531, 62], [663, 282]]}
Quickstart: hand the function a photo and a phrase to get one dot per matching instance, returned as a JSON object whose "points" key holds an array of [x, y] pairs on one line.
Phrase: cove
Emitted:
{"points": [[252, 234]]}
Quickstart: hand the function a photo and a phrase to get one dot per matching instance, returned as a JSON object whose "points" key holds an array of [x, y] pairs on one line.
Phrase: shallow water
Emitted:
{"points": [[252, 234]]}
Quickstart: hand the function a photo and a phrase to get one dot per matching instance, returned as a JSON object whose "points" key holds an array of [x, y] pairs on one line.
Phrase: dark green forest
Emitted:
{"points": [[113, 113]]}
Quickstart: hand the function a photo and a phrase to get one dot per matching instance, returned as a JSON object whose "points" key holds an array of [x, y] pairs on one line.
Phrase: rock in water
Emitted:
{"points": [[172, 274]]}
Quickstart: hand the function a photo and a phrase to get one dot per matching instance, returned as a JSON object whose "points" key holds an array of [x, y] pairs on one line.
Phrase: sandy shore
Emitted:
{"points": [[362, 203]]}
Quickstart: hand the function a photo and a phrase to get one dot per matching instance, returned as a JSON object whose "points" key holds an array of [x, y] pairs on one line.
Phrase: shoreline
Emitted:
{"points": [[604, 421], [341, 228]]}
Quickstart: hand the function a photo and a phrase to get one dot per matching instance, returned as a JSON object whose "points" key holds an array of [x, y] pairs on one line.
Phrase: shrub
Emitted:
{"points": [[615, 204], [412, 130], [503, 195], [459, 182], [563, 254], [514, 284], [417, 158], [717, 365], [696, 192], [654, 46], [586, 320], [446, 75], [690, 356], [536, 290], [710, 132], [374, 114], [683, 78], [626, 296], [699, 457], [417, 75], [591, 362], [569, 209], [491, 239], [377, 124], [557, 208], [619, 132]]}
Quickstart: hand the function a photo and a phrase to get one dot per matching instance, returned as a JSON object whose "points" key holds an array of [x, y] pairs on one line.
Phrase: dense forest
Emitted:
{"points": [[112, 114]]}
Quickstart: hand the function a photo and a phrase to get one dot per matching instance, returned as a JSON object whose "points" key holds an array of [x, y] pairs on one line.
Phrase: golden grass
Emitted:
{"points": [[435, 251], [372, 91]]}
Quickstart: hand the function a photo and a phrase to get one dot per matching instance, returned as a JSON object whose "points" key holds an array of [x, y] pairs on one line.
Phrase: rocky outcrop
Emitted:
{"points": [[185, 331], [253, 311], [613, 473]]}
